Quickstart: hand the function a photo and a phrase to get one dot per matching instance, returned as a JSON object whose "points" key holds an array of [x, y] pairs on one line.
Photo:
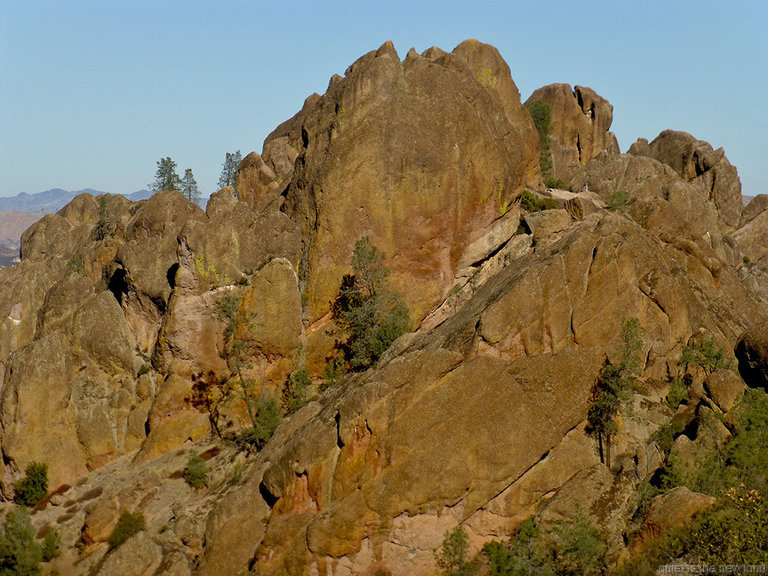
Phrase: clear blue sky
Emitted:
{"points": [[93, 93]]}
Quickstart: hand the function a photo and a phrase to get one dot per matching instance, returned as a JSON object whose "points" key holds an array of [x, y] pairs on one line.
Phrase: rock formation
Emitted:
{"points": [[580, 123], [111, 326]]}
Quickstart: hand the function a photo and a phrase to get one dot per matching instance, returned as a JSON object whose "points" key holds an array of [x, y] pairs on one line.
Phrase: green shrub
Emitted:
{"points": [[145, 369], [129, 524], [617, 202], [665, 435], [76, 264], [452, 556], [541, 113], [332, 372], [678, 392], [51, 545], [526, 553], [196, 471], [613, 385], [20, 555], [579, 548], [555, 183], [34, 486], [372, 316], [532, 203], [706, 353], [267, 418], [296, 391]]}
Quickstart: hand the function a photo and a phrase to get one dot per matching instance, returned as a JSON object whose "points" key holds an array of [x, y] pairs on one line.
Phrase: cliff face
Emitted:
{"points": [[110, 324]]}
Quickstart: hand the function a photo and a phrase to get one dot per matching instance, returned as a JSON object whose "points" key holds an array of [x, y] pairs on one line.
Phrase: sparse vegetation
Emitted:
{"points": [[705, 352], [20, 555], [571, 548], [51, 545], [541, 113], [452, 555], [612, 386], [372, 316], [128, 524], [617, 201], [530, 202], [34, 486], [196, 471]]}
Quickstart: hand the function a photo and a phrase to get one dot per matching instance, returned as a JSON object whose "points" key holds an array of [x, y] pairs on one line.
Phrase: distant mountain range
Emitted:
{"points": [[54, 199]]}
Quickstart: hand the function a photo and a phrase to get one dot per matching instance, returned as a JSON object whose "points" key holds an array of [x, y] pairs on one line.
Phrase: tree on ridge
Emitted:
{"points": [[189, 187], [228, 175], [166, 177]]}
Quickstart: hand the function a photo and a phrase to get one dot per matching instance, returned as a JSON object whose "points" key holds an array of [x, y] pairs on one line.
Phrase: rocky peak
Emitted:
{"points": [[696, 162], [109, 327], [441, 146], [580, 124]]}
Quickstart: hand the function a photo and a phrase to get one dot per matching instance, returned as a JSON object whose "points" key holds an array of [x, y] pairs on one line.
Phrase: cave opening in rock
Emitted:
{"points": [[118, 285], [171, 275]]}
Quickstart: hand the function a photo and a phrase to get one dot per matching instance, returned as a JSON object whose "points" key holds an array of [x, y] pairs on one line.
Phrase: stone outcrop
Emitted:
{"points": [[421, 154], [112, 323], [580, 126], [696, 162], [345, 491]]}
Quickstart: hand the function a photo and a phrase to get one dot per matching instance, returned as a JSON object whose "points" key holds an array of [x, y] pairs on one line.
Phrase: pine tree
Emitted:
{"points": [[189, 187], [229, 170], [166, 177]]}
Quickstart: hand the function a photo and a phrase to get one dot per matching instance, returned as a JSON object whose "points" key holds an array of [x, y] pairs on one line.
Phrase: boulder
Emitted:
{"points": [[725, 387], [662, 202], [580, 123], [255, 179], [671, 510], [139, 556], [751, 235], [696, 162]]}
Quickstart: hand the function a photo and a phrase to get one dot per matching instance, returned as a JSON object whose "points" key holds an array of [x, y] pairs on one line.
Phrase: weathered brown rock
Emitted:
{"points": [[671, 510], [679, 213], [696, 162], [725, 387], [255, 179], [422, 188], [751, 235], [580, 123], [752, 355]]}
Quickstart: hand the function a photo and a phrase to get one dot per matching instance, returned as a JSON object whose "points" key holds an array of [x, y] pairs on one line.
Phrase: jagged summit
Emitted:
{"points": [[114, 327]]}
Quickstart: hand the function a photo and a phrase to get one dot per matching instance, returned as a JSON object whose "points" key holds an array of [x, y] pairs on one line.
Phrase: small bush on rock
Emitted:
{"points": [[20, 555], [532, 203], [267, 418], [51, 545], [34, 486], [196, 472], [129, 524]]}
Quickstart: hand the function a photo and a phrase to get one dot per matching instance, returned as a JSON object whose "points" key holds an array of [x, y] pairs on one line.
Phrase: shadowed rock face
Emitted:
{"points": [[421, 154], [580, 123]]}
